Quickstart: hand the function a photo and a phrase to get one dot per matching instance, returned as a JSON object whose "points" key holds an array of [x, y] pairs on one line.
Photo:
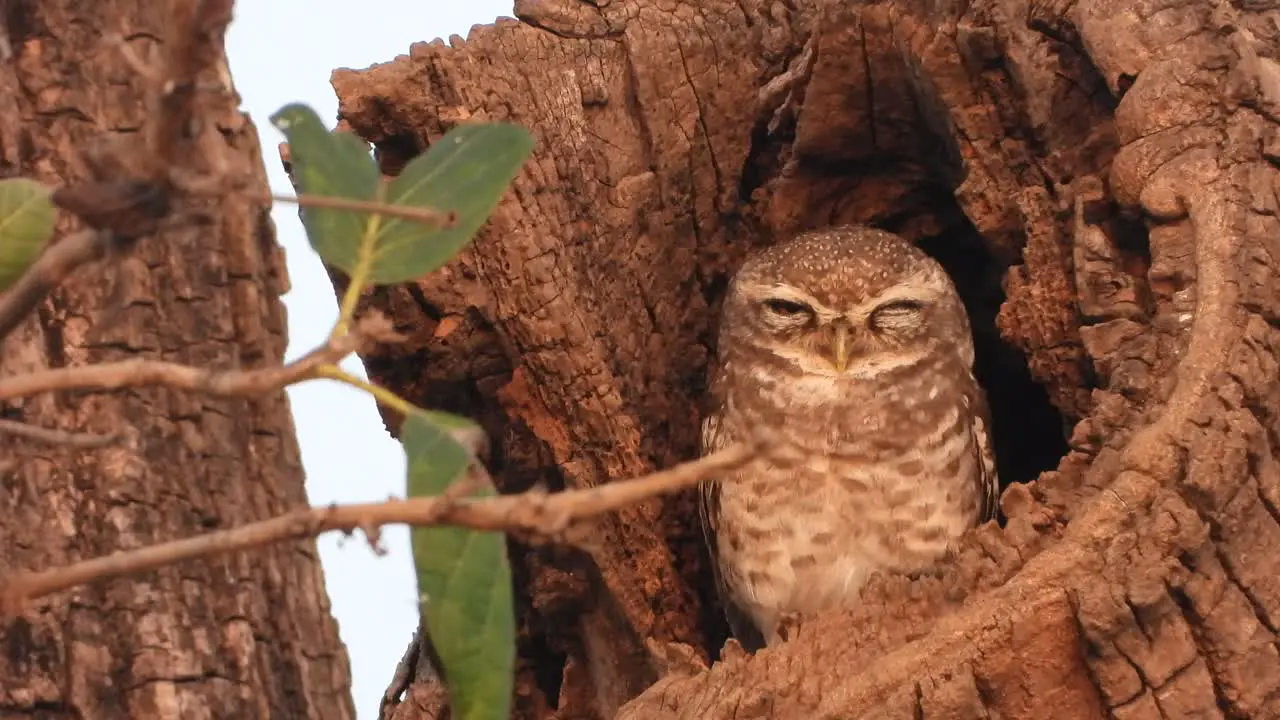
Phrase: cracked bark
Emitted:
{"points": [[247, 635], [1100, 179]]}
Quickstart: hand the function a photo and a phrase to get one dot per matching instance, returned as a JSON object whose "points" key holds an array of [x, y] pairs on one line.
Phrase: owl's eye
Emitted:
{"points": [[787, 308], [896, 314]]}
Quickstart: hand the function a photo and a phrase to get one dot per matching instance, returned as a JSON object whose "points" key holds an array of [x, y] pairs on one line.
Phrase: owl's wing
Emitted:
{"points": [[740, 624], [988, 480], [709, 489]]}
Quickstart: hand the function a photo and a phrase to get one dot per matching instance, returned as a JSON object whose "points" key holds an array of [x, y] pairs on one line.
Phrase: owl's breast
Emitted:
{"points": [[880, 477]]}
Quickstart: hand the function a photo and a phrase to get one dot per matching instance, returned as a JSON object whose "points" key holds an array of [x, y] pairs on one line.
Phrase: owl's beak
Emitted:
{"points": [[840, 347]]}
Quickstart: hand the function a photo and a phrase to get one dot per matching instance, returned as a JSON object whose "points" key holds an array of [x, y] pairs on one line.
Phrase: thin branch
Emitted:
{"points": [[225, 383], [402, 678], [433, 218], [199, 31], [85, 441], [535, 512], [54, 265]]}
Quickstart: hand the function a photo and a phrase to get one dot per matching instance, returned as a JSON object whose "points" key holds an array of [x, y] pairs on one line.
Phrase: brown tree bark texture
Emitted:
{"points": [[239, 636], [1099, 177]]}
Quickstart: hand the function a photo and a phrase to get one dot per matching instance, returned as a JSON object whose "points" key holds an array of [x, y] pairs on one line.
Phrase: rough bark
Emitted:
{"points": [[1098, 176], [245, 635]]}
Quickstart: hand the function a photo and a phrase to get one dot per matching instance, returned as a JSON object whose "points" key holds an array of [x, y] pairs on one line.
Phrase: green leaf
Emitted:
{"points": [[335, 164], [26, 224], [465, 173], [464, 577]]}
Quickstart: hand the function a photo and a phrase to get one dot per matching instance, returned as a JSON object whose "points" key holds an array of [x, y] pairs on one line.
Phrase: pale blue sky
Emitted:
{"points": [[282, 51]]}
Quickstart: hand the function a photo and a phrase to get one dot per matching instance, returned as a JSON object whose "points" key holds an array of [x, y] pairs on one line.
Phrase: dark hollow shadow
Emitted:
{"points": [[1029, 433]]}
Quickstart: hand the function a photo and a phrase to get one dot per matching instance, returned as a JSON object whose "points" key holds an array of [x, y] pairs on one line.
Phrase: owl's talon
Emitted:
{"points": [[788, 626]]}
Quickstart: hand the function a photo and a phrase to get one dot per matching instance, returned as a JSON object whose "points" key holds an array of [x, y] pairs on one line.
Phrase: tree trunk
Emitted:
{"points": [[243, 635], [1096, 175]]}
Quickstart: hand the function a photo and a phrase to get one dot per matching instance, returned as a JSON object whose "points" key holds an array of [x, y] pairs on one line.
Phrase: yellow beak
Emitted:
{"points": [[840, 347]]}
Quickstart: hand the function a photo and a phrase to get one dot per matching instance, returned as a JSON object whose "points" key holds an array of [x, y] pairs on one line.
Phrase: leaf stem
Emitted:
{"points": [[381, 394], [360, 273]]}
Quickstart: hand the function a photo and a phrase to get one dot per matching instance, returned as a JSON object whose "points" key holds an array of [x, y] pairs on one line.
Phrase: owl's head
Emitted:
{"points": [[849, 301]]}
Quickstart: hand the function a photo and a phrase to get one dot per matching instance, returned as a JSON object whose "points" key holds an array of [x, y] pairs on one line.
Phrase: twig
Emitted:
{"points": [[130, 191], [86, 441], [199, 29], [54, 265], [433, 218], [402, 678], [539, 512], [226, 383]]}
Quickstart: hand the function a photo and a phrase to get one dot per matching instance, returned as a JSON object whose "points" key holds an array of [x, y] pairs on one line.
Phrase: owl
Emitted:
{"points": [[852, 350]]}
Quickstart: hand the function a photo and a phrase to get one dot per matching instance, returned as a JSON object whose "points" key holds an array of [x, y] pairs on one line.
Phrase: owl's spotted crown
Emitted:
{"points": [[838, 264]]}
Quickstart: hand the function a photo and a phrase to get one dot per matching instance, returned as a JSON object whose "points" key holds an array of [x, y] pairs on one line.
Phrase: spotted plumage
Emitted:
{"points": [[851, 347]]}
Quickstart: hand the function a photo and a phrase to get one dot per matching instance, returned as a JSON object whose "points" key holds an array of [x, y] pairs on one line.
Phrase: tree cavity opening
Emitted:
{"points": [[1028, 431]]}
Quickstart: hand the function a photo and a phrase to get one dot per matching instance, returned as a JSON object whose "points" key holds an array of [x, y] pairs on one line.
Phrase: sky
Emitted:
{"points": [[282, 51]]}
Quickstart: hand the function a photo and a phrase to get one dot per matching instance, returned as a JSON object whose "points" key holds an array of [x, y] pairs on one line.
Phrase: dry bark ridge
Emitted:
{"points": [[1101, 172]]}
